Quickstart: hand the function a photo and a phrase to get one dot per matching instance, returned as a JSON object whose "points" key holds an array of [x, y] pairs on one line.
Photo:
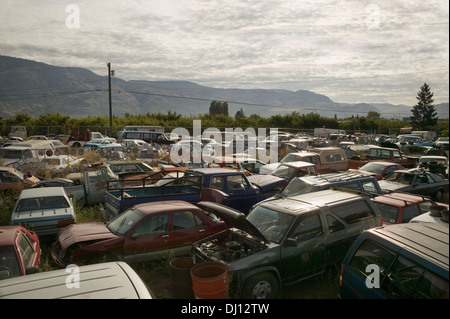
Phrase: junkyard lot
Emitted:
{"points": [[157, 276]]}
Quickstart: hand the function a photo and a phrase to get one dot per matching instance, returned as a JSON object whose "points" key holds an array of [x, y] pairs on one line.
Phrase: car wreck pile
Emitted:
{"points": [[246, 217]]}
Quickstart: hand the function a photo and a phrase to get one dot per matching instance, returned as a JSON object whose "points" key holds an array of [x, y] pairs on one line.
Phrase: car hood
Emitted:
{"points": [[268, 168], [233, 218], [77, 233], [266, 182]]}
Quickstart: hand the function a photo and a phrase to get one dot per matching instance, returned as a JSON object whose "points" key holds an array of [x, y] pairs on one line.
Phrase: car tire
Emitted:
{"points": [[261, 286], [102, 258]]}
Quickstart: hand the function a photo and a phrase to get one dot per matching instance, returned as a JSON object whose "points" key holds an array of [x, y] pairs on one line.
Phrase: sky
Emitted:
{"points": [[375, 51]]}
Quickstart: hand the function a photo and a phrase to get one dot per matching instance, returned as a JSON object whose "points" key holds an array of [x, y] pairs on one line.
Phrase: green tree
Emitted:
{"points": [[424, 113], [239, 115], [217, 107]]}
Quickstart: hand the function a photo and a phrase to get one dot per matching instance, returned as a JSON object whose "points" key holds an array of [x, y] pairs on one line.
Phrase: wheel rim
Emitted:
{"points": [[262, 290]]}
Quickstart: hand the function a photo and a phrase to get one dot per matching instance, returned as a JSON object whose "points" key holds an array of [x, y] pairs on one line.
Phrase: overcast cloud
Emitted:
{"points": [[378, 51]]}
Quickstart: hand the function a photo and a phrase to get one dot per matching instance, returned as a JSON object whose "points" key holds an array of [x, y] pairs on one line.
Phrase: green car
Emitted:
{"points": [[286, 240]]}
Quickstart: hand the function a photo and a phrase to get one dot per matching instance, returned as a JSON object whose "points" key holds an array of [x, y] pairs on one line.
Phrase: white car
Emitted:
{"points": [[442, 141], [44, 210], [62, 163]]}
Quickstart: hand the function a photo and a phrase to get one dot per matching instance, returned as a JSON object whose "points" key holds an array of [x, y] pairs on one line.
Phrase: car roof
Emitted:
{"points": [[8, 235], [298, 204], [399, 199], [162, 206], [112, 280], [42, 192], [428, 239], [298, 164], [324, 179], [212, 170]]}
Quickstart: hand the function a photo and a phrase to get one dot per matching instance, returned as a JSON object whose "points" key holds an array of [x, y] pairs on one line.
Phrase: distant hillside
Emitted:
{"points": [[36, 88]]}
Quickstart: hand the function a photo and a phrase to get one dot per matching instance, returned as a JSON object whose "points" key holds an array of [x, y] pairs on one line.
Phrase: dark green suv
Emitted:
{"points": [[286, 240]]}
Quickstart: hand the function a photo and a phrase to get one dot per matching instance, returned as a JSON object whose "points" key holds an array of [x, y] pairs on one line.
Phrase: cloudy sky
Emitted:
{"points": [[374, 51]]}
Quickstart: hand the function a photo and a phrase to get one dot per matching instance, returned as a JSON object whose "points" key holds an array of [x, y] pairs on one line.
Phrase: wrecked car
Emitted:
{"points": [[284, 241]]}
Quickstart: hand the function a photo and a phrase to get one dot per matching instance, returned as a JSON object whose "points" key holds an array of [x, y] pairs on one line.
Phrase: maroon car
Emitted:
{"points": [[377, 169], [144, 232], [20, 252]]}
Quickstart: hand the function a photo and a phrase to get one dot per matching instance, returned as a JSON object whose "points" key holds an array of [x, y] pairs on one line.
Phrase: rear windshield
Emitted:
{"points": [[52, 202]]}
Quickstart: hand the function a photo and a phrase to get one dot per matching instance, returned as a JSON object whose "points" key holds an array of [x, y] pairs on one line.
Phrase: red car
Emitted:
{"points": [[397, 208], [20, 252], [143, 232], [377, 169]]}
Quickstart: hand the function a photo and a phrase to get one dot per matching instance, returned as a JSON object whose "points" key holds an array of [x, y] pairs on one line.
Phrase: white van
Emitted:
{"points": [[112, 280]]}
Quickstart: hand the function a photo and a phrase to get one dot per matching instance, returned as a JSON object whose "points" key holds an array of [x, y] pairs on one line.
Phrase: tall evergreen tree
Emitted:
{"points": [[424, 113]]}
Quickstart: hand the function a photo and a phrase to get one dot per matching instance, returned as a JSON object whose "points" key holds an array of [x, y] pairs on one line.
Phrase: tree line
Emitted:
{"points": [[424, 117]]}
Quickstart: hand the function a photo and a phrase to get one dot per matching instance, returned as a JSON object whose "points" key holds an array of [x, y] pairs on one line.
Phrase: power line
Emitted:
{"points": [[46, 94]]}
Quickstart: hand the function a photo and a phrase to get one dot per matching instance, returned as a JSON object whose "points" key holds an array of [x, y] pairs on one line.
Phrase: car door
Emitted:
{"points": [[239, 193], [148, 240], [302, 252], [186, 228]]}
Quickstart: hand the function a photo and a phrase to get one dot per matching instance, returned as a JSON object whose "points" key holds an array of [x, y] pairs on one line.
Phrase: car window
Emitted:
{"points": [[9, 265], [217, 182], [353, 186], [308, 227], [388, 213], [236, 182], [410, 212], [154, 224], [26, 250], [425, 206], [369, 186], [371, 253], [353, 212], [185, 220], [334, 225], [407, 279]]}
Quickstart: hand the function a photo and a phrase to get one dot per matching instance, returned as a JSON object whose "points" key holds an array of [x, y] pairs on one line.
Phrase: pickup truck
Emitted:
{"points": [[88, 185], [378, 153], [326, 159], [225, 186]]}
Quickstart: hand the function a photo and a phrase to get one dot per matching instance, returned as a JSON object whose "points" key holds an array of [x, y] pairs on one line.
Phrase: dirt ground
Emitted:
{"points": [[157, 276]]}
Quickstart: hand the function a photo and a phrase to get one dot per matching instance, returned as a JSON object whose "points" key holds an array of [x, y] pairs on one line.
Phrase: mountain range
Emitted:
{"points": [[37, 88]]}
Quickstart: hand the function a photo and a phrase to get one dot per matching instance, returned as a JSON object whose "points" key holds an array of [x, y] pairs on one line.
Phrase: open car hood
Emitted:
{"points": [[233, 218]]}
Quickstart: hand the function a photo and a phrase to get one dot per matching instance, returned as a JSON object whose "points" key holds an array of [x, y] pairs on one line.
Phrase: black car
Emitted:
{"points": [[286, 240], [416, 181]]}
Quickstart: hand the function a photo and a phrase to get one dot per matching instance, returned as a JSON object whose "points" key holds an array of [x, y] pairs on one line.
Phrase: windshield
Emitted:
{"points": [[284, 171], [272, 224], [297, 186], [373, 168], [122, 223]]}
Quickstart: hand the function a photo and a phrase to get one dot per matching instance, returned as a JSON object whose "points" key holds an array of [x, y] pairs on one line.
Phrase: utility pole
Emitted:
{"points": [[110, 102]]}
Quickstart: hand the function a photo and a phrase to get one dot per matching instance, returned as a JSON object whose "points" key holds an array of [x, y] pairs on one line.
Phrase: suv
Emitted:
{"points": [[397, 208], [309, 184], [398, 261], [286, 240]]}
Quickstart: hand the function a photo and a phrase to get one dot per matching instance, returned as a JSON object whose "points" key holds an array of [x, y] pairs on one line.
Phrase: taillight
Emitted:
{"points": [[341, 275], [66, 222]]}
